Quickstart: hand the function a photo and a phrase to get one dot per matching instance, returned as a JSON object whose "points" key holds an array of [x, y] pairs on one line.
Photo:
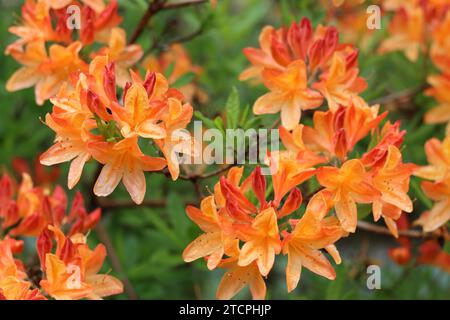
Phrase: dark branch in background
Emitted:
{"points": [[103, 236], [124, 204], [156, 6], [399, 97], [153, 8]]}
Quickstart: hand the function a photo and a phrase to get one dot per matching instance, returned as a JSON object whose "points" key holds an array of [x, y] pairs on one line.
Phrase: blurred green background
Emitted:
{"points": [[149, 241]]}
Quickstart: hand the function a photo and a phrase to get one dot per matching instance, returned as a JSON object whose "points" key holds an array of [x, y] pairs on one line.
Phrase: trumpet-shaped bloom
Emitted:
{"points": [[237, 277], [71, 273], [440, 213], [341, 82], [46, 73], [214, 241], [407, 32], [438, 156], [289, 94], [440, 90], [124, 56], [313, 232], [262, 241], [392, 180], [348, 185], [123, 161]]}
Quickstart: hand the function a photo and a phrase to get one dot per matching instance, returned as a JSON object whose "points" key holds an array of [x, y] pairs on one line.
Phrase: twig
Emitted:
{"points": [[367, 226], [207, 175], [178, 5], [105, 239], [124, 204], [399, 96], [115, 261], [154, 7]]}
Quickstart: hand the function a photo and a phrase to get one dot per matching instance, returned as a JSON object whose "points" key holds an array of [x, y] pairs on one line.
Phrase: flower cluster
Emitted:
{"points": [[238, 220], [301, 67], [423, 27], [229, 218], [90, 122], [438, 186], [71, 272], [49, 47]]}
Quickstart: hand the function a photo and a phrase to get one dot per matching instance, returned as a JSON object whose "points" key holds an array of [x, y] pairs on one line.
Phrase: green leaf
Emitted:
{"points": [[232, 109], [207, 122], [185, 79], [168, 72], [420, 194]]}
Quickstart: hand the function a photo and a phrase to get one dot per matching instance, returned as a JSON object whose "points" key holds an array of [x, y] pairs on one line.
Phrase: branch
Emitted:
{"points": [[370, 227], [115, 261], [178, 5], [106, 240], [399, 97], [154, 7], [206, 175], [124, 204]]}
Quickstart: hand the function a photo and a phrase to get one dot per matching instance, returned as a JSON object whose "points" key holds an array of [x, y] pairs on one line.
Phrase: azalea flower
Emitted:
{"points": [[407, 32], [289, 94], [348, 185], [392, 180], [237, 277], [46, 73], [214, 242], [124, 56], [123, 161], [71, 272], [314, 231]]}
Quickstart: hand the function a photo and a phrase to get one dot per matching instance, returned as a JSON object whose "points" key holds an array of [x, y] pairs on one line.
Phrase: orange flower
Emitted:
{"points": [[177, 59], [138, 116], [46, 73], [293, 60], [123, 161], [289, 94], [348, 185], [262, 241], [439, 215], [14, 289], [177, 140], [431, 253], [392, 180], [237, 277], [341, 82], [215, 241], [36, 26], [124, 56], [72, 137], [407, 32], [90, 122], [335, 133], [34, 208], [390, 135], [313, 232], [438, 156], [72, 271], [441, 44], [440, 90], [10, 267], [288, 171], [97, 5], [13, 283]]}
